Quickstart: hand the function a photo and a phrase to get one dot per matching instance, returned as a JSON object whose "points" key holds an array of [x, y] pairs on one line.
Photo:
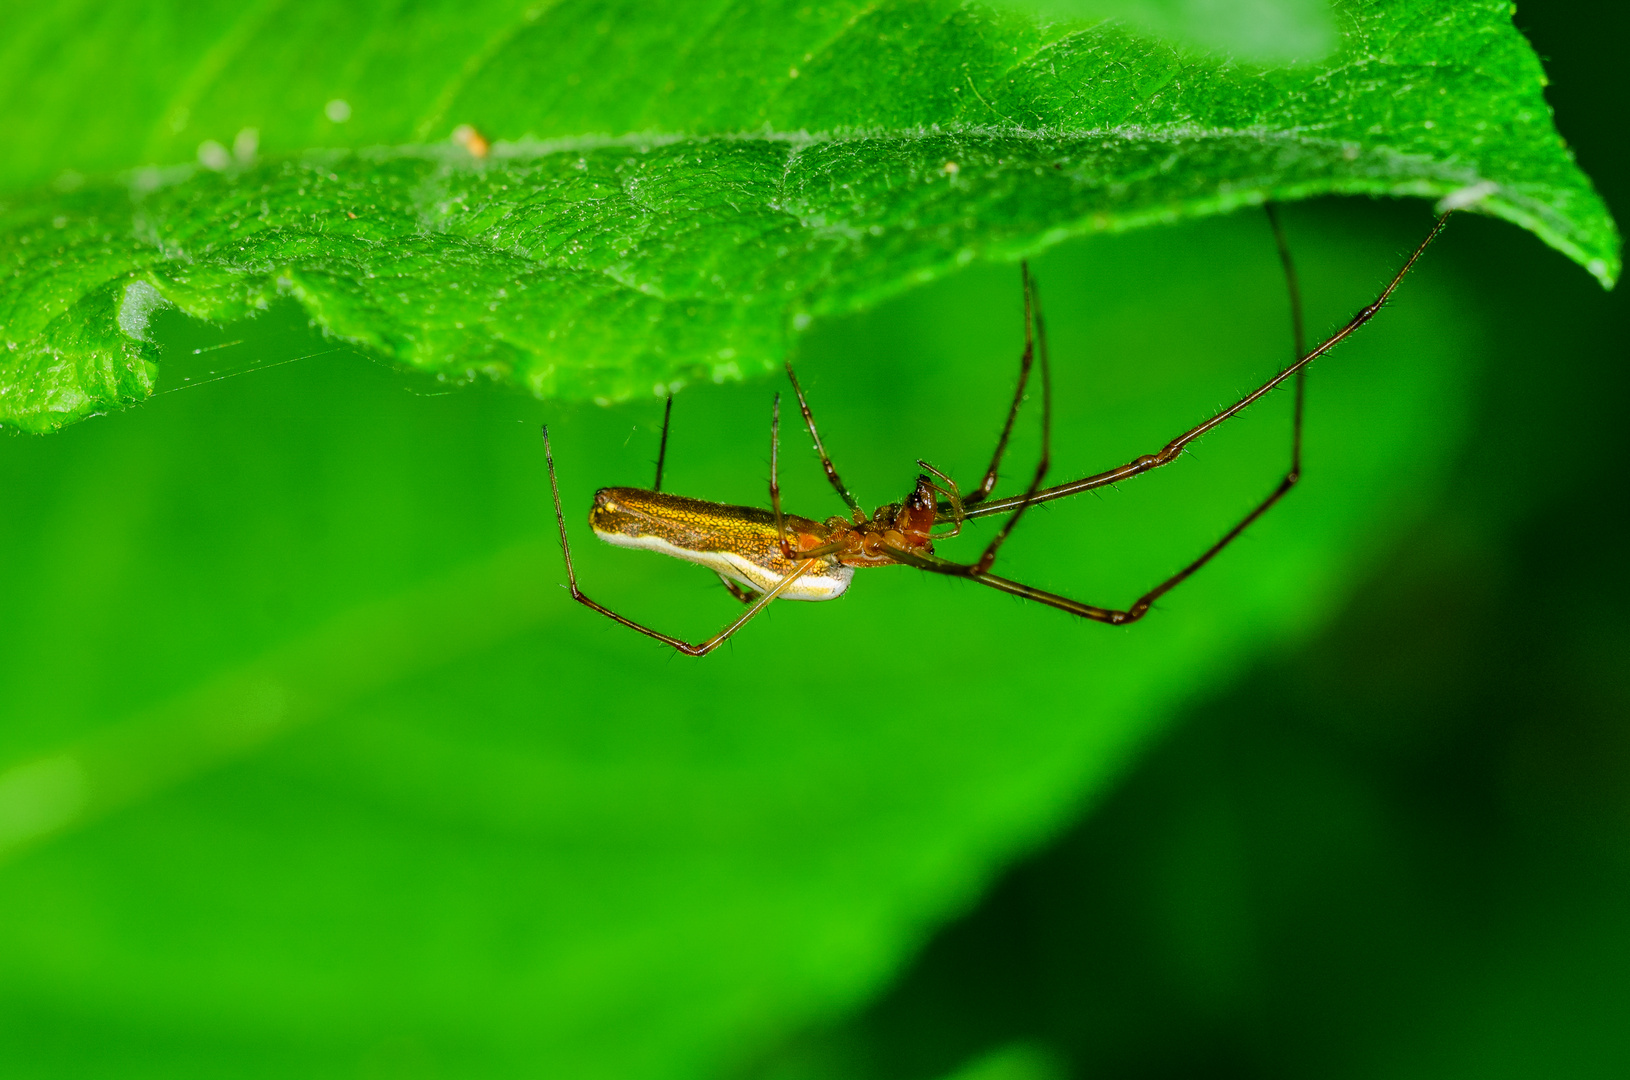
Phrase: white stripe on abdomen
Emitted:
{"points": [[820, 583]]}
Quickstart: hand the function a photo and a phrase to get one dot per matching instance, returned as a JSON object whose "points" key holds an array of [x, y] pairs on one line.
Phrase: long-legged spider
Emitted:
{"points": [[765, 555]]}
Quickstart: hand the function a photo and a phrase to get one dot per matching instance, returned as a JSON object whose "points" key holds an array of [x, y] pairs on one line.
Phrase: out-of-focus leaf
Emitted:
{"points": [[1257, 31]]}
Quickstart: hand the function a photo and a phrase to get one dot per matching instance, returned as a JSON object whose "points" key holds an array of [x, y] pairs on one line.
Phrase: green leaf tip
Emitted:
{"points": [[621, 218]]}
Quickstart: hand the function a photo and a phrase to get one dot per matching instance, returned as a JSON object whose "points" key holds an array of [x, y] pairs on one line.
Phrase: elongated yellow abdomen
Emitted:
{"points": [[737, 542]]}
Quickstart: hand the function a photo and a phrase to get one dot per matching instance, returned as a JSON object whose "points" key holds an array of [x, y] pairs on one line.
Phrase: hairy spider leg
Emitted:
{"points": [[685, 647], [988, 484], [775, 490], [775, 483], [1032, 306], [979, 571], [662, 448], [826, 461]]}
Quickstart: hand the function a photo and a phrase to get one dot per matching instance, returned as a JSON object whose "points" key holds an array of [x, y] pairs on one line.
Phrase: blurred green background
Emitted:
{"points": [[1401, 849], [314, 771]]}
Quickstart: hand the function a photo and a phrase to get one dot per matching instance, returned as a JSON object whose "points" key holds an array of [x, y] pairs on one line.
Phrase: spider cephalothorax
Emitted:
{"points": [[892, 527]]}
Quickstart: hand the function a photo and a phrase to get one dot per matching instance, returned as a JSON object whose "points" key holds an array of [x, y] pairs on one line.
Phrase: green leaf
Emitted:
{"points": [[673, 192]]}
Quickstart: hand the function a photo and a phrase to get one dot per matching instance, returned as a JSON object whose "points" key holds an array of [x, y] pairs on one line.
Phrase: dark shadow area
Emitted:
{"points": [[1404, 851]]}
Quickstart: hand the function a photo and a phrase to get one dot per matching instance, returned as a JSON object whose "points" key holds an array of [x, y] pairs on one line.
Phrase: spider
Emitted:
{"points": [[766, 555]]}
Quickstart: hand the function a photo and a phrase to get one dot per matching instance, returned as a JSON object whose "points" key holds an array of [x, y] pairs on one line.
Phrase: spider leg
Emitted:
{"points": [[952, 493], [1170, 452], [775, 484], [1032, 306], [936, 565], [1115, 616], [988, 484], [689, 649], [826, 461], [1298, 335], [746, 596], [662, 449]]}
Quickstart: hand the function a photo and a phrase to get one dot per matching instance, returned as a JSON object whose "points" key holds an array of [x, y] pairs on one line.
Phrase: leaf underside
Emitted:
{"points": [[644, 221]]}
